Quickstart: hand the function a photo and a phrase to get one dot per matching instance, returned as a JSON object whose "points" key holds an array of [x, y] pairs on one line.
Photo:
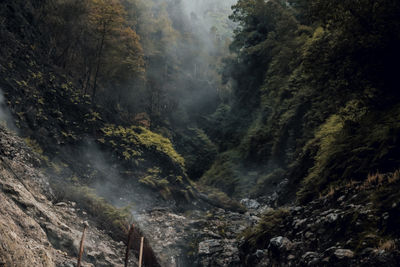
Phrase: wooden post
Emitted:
{"points": [[81, 245], [128, 246], [141, 252]]}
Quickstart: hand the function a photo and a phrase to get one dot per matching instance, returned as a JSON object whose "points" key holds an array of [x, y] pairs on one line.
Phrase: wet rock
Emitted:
{"points": [[282, 185], [259, 253], [329, 251], [385, 216], [298, 223], [264, 209], [332, 217], [280, 244], [296, 209], [310, 258], [218, 253], [250, 203], [308, 235], [344, 254], [274, 197], [291, 257], [210, 234], [208, 247]]}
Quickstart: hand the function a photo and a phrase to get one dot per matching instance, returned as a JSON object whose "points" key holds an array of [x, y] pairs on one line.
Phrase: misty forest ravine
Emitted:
{"points": [[229, 133]]}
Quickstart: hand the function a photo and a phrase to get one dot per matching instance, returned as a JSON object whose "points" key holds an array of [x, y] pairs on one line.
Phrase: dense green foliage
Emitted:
{"points": [[125, 73], [138, 140], [308, 91], [315, 96]]}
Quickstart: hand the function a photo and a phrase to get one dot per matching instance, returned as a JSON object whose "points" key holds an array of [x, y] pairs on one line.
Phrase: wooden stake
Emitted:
{"points": [[81, 246], [141, 252], [128, 247]]}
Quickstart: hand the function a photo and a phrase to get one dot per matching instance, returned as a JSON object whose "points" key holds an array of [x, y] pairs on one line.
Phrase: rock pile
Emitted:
{"points": [[338, 230]]}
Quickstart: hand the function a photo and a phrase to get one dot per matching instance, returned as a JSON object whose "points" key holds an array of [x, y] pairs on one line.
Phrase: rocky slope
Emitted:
{"points": [[353, 225], [34, 231]]}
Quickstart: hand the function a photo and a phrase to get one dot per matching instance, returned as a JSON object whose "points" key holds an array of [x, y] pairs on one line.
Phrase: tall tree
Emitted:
{"points": [[106, 16]]}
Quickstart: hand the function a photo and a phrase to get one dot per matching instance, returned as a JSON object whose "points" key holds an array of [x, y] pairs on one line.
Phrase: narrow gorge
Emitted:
{"points": [[223, 133]]}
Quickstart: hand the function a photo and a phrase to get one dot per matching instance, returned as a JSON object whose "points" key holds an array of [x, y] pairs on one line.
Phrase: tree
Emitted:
{"points": [[106, 16], [63, 23], [366, 33]]}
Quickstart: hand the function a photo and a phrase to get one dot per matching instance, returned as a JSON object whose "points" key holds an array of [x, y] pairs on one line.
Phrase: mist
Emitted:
{"points": [[188, 77], [183, 58], [5, 115]]}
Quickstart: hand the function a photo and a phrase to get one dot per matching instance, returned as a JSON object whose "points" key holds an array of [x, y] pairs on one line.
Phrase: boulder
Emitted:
{"points": [[332, 217], [280, 243], [310, 258], [343, 253], [250, 203], [209, 247]]}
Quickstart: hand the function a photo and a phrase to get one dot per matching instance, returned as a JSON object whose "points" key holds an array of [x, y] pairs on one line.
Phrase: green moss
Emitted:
{"points": [[152, 177], [137, 140], [92, 116], [37, 76], [155, 180], [21, 83], [152, 140]]}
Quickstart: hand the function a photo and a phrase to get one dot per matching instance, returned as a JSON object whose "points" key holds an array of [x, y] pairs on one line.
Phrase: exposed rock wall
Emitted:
{"points": [[33, 230]]}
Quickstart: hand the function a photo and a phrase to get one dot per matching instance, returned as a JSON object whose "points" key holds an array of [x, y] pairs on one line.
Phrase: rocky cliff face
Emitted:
{"points": [[34, 231]]}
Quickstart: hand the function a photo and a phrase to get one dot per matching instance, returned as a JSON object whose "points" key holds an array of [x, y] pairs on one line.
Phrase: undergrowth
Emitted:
{"points": [[269, 227], [114, 220]]}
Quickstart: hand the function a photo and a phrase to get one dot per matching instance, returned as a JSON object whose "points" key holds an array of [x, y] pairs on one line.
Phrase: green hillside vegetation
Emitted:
{"points": [[298, 91], [68, 85], [315, 99]]}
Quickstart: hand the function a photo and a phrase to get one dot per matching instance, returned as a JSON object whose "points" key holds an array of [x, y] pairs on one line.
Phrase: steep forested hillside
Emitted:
{"points": [[315, 99], [86, 77], [190, 107], [315, 110]]}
